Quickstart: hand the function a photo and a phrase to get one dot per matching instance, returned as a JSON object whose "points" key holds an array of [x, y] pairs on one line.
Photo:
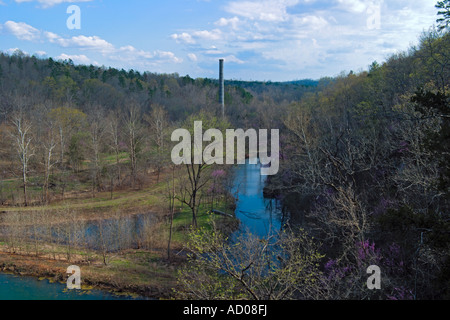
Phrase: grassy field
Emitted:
{"points": [[146, 272]]}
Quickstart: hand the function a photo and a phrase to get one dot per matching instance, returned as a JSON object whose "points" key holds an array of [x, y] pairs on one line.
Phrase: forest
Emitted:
{"points": [[364, 177]]}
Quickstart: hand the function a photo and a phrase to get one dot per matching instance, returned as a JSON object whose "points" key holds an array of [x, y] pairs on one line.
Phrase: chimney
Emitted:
{"points": [[221, 87]]}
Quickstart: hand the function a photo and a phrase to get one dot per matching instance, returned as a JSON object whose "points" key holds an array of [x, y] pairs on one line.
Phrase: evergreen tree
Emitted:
{"points": [[444, 11]]}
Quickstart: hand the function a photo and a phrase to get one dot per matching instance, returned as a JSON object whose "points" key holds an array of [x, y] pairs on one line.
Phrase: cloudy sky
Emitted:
{"points": [[275, 40]]}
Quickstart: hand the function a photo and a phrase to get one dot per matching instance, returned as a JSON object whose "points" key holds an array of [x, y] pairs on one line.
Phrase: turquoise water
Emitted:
{"points": [[13, 287]]}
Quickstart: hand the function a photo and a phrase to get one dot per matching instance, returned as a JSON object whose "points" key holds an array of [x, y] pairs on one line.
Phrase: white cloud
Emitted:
{"points": [[294, 36], [297, 54], [51, 3], [232, 58], [183, 37], [199, 35], [52, 37], [82, 42], [266, 10], [128, 55], [11, 51], [22, 31], [132, 51], [310, 22], [192, 57], [214, 34], [291, 36], [356, 6], [89, 42], [79, 59], [41, 53], [132, 56], [213, 50], [232, 22], [167, 56]]}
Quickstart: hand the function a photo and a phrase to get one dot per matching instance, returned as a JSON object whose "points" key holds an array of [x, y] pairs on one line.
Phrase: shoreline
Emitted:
{"points": [[143, 271], [156, 275], [55, 271]]}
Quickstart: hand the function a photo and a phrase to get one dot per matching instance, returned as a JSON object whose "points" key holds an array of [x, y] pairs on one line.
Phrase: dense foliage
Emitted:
{"points": [[366, 168]]}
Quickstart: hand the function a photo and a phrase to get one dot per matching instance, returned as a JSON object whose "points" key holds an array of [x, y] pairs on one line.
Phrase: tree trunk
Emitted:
{"points": [[25, 186]]}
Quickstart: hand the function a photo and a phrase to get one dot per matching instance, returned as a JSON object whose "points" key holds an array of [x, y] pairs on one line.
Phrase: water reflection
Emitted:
{"points": [[258, 215]]}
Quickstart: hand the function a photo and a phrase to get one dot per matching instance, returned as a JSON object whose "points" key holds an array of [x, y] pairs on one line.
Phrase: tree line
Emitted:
{"points": [[366, 172]]}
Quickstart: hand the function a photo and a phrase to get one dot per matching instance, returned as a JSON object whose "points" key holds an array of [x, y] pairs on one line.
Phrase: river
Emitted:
{"points": [[258, 216]]}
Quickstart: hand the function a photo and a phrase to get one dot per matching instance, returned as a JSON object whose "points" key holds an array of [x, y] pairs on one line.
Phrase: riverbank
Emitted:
{"points": [[140, 272], [120, 243], [134, 273]]}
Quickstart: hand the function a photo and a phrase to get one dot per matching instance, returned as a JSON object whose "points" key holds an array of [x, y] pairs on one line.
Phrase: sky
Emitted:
{"points": [[264, 40]]}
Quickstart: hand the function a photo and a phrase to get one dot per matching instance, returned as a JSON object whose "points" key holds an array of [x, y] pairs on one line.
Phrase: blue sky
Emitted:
{"points": [[275, 40]]}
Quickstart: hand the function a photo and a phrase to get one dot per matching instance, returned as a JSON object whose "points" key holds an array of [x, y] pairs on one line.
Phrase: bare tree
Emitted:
{"points": [[196, 178], [134, 134], [22, 136], [278, 267], [104, 240], [158, 123], [157, 120], [96, 131], [190, 188], [113, 130], [48, 145], [172, 197]]}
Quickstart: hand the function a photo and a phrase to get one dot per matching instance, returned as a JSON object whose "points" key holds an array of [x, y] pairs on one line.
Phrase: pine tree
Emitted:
{"points": [[444, 11]]}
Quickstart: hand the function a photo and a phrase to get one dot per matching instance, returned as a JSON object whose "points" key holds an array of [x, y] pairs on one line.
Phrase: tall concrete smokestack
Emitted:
{"points": [[221, 87]]}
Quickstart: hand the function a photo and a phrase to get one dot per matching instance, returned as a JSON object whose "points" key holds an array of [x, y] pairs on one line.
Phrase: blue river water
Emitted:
{"points": [[259, 216]]}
